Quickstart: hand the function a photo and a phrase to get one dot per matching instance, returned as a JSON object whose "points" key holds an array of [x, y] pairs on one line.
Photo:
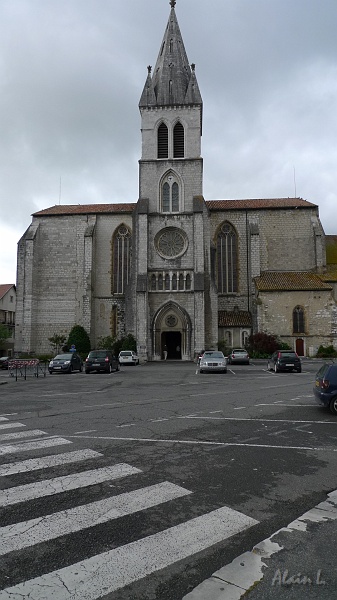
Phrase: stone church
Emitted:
{"points": [[175, 269]]}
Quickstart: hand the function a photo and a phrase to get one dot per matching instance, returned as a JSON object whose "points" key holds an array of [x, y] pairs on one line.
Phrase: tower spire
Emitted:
{"points": [[173, 3]]}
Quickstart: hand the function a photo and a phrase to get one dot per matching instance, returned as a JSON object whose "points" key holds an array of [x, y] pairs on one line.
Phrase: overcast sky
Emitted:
{"points": [[72, 72]]}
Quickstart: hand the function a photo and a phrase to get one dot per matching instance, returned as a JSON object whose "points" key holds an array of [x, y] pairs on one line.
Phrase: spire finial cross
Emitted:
{"points": [[173, 3]]}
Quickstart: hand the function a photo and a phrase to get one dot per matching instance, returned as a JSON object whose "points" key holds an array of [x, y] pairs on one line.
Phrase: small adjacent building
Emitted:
{"points": [[7, 316]]}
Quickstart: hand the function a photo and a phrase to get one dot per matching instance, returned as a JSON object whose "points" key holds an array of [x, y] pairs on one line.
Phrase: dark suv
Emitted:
{"points": [[101, 360], [284, 360], [325, 389]]}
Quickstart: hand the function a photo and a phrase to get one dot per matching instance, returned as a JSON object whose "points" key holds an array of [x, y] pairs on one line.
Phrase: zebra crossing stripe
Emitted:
{"points": [[11, 425], [35, 445], [52, 460], [105, 573], [42, 529], [22, 434], [49, 487]]}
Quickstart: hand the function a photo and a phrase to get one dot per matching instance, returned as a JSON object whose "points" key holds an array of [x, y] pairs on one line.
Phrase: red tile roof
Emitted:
{"points": [[213, 205], [258, 204], [85, 209], [270, 281], [4, 288], [236, 318]]}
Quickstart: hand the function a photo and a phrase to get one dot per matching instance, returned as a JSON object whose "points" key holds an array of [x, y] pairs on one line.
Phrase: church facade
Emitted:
{"points": [[174, 269]]}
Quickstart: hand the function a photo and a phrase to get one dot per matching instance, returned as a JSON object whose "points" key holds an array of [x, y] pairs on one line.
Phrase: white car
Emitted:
{"points": [[128, 357]]}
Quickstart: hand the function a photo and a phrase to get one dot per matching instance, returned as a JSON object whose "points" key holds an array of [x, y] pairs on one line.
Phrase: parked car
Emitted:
{"points": [[238, 356], [284, 360], [101, 360], [4, 362], [213, 361], [128, 357], [325, 388], [66, 363]]}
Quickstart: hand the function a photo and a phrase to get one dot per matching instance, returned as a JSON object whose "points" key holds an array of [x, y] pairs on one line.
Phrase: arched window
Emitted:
{"points": [[121, 259], [298, 320], [174, 281], [181, 281], [153, 283], [188, 282], [162, 141], [227, 257], [178, 141], [170, 194], [167, 281], [160, 282]]}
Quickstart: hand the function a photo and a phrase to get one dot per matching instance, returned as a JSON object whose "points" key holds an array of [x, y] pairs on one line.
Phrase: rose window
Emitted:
{"points": [[171, 242]]}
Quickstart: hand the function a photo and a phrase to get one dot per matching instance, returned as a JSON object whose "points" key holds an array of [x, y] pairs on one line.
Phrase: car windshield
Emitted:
{"points": [[98, 354], [213, 355], [63, 357], [124, 353], [290, 354], [240, 351]]}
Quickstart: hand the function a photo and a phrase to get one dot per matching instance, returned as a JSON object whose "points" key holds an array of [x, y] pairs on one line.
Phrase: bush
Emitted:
{"points": [[106, 343], [79, 337], [326, 352], [262, 345]]}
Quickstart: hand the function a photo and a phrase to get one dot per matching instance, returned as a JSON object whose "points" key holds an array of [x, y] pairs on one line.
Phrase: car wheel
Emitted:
{"points": [[299, 370], [333, 405], [200, 371], [117, 367], [110, 368], [81, 369], [50, 372], [87, 372], [275, 368]]}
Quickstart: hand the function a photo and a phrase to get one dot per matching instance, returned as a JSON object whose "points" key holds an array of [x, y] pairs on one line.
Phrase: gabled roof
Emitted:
{"points": [[85, 209], [4, 288], [213, 205], [174, 82], [281, 281], [235, 318], [257, 204]]}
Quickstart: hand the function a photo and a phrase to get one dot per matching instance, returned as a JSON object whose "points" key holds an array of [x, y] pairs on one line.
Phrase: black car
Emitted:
{"points": [[284, 360], [66, 363], [325, 388], [101, 360], [4, 362]]}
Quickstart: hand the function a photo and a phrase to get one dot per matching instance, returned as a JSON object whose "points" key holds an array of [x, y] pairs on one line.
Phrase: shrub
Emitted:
{"points": [[262, 345], [79, 337], [326, 352], [106, 343]]}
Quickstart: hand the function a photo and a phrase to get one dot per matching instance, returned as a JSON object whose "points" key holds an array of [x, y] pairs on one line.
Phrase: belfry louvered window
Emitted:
{"points": [[162, 141], [298, 320], [178, 141], [121, 259], [227, 257], [170, 195]]}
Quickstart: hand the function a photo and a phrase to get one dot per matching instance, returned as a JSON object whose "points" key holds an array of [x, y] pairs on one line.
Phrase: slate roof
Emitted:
{"points": [[270, 281], [4, 288], [174, 82], [236, 318], [213, 205]]}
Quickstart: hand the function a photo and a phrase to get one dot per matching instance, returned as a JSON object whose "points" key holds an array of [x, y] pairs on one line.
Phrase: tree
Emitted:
{"points": [[57, 342], [79, 338], [262, 344], [106, 343], [5, 334]]}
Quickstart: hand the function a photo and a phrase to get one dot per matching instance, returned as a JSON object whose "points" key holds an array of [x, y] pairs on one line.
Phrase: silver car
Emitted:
{"points": [[213, 361], [238, 356]]}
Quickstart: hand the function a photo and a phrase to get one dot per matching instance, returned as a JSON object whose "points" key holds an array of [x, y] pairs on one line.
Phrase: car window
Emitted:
{"points": [[98, 354], [125, 353], [332, 375], [290, 354], [321, 372], [63, 356]]}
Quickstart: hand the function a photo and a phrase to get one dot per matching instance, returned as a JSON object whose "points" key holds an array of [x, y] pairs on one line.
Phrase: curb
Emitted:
{"points": [[245, 572]]}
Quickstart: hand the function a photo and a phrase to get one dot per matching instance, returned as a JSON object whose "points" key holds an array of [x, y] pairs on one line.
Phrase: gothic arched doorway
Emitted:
{"points": [[171, 332]]}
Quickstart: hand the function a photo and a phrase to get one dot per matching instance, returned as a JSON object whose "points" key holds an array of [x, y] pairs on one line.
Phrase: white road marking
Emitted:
{"points": [[103, 574], [35, 531], [11, 425], [35, 445], [22, 434], [126, 425], [260, 420], [87, 431], [206, 443], [280, 403], [49, 487], [35, 464], [97, 405]]}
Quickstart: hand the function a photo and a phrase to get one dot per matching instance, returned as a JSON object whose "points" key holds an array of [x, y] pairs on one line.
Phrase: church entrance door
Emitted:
{"points": [[172, 341], [300, 347]]}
